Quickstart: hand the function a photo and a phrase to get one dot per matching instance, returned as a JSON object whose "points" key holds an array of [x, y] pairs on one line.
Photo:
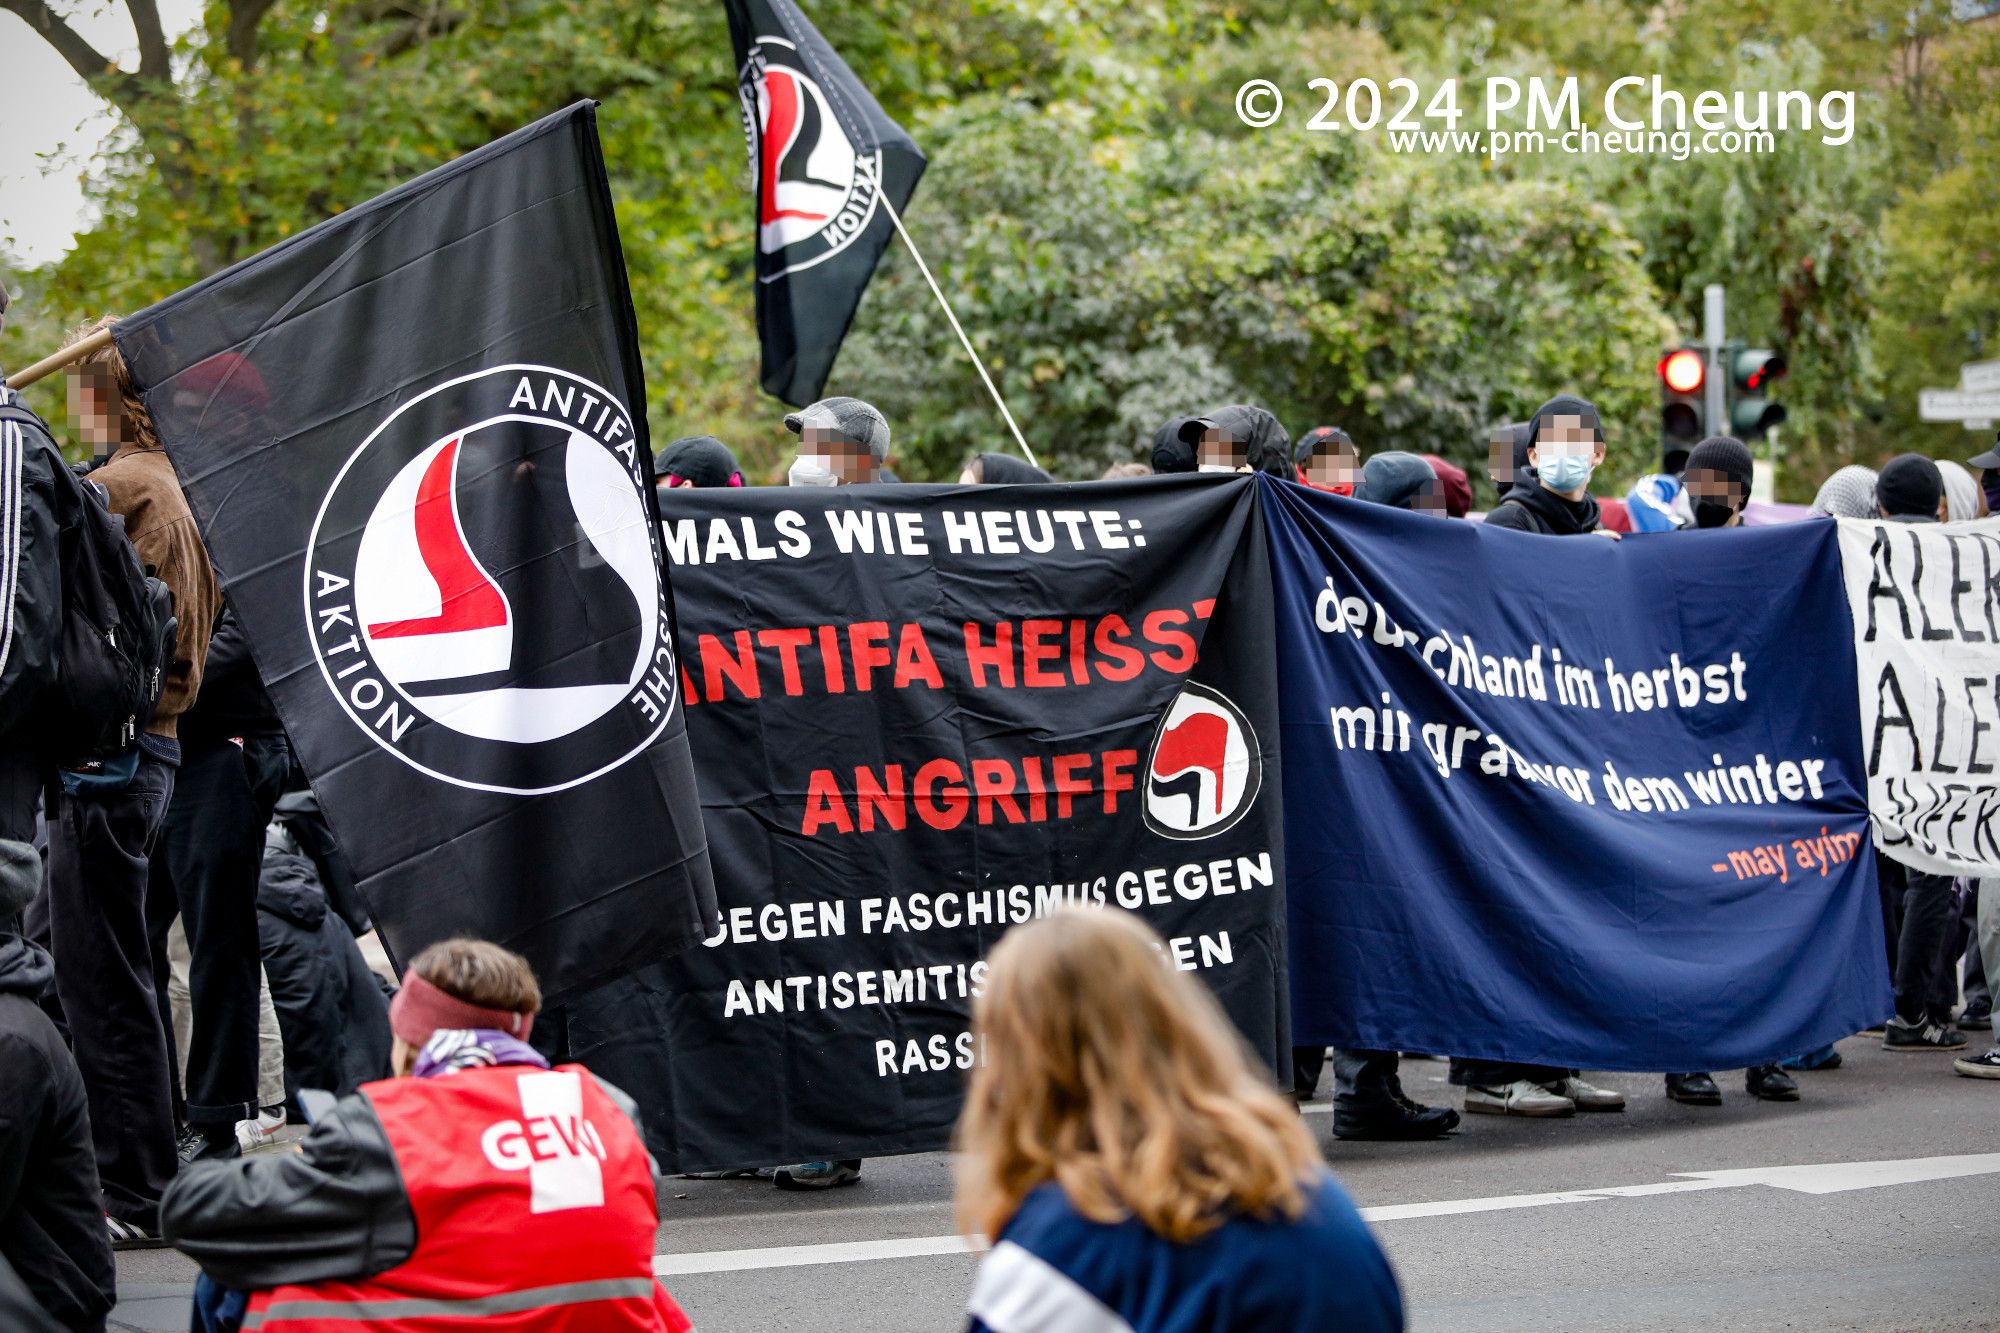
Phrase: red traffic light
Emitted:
{"points": [[1683, 370]]}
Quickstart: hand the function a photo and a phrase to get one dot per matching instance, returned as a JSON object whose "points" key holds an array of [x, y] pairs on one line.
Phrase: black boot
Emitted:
{"points": [[1391, 1117], [1770, 1083], [1695, 1089]]}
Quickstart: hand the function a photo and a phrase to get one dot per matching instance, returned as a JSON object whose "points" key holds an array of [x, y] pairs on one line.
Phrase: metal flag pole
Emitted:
{"points": [[966, 342], [49, 365]]}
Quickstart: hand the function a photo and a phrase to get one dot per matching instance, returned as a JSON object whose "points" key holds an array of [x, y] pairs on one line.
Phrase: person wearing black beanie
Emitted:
{"points": [[1718, 476], [1565, 446], [1910, 489]]}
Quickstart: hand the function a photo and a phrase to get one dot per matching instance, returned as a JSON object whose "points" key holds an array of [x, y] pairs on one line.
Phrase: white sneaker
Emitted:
{"points": [[266, 1131], [1587, 1096], [1521, 1097]]}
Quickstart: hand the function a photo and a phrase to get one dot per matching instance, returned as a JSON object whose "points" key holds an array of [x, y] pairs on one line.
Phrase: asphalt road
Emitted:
{"points": [[1912, 1242]]}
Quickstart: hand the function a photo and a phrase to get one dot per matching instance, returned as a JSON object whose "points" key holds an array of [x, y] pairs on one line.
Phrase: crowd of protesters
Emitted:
{"points": [[183, 986]]}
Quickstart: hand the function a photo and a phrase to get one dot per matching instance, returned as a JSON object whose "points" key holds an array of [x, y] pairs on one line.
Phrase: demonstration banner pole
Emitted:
{"points": [[973, 356], [49, 365]]}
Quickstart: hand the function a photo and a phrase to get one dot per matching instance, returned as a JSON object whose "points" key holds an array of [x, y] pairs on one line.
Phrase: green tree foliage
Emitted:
{"points": [[1120, 247]]}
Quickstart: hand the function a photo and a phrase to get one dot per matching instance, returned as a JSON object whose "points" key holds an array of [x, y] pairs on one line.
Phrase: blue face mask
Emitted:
{"points": [[1565, 472]]}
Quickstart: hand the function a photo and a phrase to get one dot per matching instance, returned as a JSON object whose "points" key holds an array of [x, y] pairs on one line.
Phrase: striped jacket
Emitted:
{"points": [[1052, 1270], [38, 504]]}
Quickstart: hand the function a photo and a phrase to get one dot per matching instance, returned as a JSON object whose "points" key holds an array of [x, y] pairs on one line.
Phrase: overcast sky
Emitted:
{"points": [[45, 110]]}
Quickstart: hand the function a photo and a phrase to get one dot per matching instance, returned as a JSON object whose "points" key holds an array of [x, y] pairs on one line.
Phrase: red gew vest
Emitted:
{"points": [[535, 1214]]}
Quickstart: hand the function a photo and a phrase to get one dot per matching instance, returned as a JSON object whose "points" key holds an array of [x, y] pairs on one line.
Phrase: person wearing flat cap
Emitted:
{"points": [[842, 442]]}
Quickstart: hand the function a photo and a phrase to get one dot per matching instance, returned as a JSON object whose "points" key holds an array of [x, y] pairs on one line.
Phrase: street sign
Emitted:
{"points": [[1957, 404], [1979, 424], [1979, 377]]}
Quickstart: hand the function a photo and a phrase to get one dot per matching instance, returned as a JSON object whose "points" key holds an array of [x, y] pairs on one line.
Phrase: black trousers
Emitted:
{"points": [[100, 853], [1926, 981], [205, 871], [1365, 1080], [22, 777]]}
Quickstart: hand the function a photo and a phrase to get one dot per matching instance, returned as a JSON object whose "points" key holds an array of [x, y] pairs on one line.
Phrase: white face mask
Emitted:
{"points": [[1215, 467], [811, 470]]}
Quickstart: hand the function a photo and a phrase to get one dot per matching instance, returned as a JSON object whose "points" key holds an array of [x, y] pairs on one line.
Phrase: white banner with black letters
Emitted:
{"points": [[1926, 604]]}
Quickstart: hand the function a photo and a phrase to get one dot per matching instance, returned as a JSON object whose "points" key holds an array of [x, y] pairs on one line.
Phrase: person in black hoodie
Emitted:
{"points": [[332, 1012], [1238, 438], [1507, 458], [1170, 453], [1565, 445], [43, 503], [52, 1229]]}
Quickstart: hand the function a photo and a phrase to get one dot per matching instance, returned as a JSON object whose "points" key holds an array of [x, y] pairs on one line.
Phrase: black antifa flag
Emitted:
{"points": [[414, 438], [826, 166], [923, 715]]}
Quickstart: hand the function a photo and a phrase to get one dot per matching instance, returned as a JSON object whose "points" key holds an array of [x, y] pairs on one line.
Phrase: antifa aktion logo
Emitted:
{"points": [[815, 192], [1205, 767], [483, 585]]}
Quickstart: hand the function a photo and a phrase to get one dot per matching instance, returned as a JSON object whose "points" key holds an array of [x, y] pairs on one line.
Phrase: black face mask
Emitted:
{"points": [[1713, 513]]}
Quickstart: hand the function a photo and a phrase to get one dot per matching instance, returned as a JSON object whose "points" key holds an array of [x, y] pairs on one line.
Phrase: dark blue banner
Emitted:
{"points": [[1570, 801]]}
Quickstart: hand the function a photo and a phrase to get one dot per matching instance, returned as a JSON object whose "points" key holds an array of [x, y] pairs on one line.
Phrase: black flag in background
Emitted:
{"points": [[823, 158], [415, 440]]}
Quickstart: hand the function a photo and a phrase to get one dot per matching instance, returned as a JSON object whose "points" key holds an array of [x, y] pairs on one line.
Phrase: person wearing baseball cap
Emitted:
{"points": [[1988, 464], [479, 1185], [1326, 460], [842, 442]]}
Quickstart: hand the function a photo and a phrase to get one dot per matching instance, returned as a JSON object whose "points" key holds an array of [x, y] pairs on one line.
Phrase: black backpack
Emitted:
{"points": [[118, 635]]}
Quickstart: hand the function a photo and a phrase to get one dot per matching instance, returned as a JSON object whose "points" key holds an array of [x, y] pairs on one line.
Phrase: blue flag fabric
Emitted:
{"points": [[1569, 801]]}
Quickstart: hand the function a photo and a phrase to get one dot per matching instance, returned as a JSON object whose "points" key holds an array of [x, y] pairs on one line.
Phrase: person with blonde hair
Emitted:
{"points": [[1136, 1171], [478, 1187]]}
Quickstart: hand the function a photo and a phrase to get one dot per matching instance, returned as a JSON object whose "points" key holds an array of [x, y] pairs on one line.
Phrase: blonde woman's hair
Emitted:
{"points": [[1121, 1080], [113, 360]]}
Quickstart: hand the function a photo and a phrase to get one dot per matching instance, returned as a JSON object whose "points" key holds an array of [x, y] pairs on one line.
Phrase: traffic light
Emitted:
{"points": [[1682, 372], [1751, 371]]}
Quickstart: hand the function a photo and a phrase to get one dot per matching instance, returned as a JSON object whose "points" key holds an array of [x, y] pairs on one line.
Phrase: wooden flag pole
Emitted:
{"points": [[49, 365], [964, 341]]}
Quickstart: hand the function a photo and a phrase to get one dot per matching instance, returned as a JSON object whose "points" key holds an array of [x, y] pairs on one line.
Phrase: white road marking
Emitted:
{"points": [[1827, 1178], [795, 1256]]}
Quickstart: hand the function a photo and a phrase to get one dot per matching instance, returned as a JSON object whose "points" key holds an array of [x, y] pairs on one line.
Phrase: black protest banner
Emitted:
{"points": [[921, 715], [414, 439]]}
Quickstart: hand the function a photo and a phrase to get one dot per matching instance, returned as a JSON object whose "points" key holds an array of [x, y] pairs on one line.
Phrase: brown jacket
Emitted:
{"points": [[143, 488]]}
